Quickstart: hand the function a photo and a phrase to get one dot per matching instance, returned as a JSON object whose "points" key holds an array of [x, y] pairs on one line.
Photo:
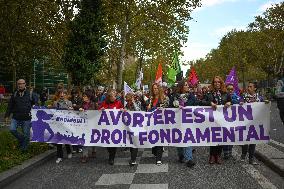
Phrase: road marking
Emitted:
{"points": [[254, 173], [113, 179], [152, 168], [277, 143], [149, 186]]}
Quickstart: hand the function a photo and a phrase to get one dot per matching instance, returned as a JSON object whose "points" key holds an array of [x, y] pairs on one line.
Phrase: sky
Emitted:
{"points": [[214, 19]]}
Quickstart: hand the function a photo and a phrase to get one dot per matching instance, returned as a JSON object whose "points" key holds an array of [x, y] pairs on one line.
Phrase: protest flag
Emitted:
{"points": [[174, 72], [193, 78], [127, 89], [159, 75], [232, 78], [138, 82]]}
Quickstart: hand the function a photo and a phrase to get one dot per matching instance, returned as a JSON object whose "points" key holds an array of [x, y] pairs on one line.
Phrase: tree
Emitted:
{"points": [[257, 52], [32, 29], [270, 30], [150, 29], [84, 51]]}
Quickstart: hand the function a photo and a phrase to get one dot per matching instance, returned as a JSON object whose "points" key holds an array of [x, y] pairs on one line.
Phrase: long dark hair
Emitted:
{"points": [[180, 86], [161, 92]]}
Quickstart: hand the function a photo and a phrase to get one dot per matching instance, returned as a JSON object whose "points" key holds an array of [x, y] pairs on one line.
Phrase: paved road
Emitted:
{"points": [[276, 128], [98, 174]]}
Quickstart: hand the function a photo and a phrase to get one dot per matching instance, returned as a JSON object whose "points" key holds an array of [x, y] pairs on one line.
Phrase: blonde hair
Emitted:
{"points": [[223, 85]]}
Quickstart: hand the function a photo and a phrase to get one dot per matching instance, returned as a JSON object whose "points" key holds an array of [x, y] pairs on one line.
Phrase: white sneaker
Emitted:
{"points": [[69, 156], [159, 163], [58, 160]]}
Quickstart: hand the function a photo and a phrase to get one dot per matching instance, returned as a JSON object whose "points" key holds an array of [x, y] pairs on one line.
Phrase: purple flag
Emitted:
{"points": [[232, 78]]}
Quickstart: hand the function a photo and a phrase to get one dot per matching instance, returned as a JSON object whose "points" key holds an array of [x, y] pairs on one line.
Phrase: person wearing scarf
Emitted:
{"points": [[111, 103], [157, 100], [183, 98], [250, 96], [217, 96]]}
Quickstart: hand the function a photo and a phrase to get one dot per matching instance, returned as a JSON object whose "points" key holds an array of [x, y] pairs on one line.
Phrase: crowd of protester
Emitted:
{"points": [[100, 98]]}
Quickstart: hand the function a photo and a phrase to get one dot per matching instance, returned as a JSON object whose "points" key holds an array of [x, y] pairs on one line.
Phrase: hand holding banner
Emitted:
{"points": [[194, 126]]}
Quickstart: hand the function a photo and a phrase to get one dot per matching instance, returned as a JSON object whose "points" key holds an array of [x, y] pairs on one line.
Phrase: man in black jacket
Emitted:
{"points": [[20, 105]]}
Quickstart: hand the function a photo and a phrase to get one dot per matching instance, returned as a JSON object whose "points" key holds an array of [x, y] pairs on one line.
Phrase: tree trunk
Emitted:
{"points": [[123, 39], [69, 80], [14, 68], [14, 75], [120, 67], [278, 71]]}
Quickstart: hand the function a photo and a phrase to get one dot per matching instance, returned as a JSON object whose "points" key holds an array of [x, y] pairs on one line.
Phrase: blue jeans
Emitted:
{"points": [[186, 152], [22, 138]]}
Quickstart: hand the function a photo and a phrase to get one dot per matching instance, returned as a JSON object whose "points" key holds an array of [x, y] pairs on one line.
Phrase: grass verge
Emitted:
{"points": [[10, 155]]}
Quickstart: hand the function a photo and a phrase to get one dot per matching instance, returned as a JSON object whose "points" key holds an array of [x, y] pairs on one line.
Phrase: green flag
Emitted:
{"points": [[176, 63], [172, 75], [174, 70]]}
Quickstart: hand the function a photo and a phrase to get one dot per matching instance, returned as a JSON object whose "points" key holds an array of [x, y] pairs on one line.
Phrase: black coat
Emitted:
{"points": [[208, 98], [20, 106]]}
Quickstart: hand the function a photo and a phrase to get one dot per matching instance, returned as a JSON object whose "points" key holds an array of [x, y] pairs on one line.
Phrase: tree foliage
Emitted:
{"points": [[86, 44], [32, 29], [256, 53], [145, 29]]}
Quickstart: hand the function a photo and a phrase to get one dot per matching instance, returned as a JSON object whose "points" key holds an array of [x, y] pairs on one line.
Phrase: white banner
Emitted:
{"points": [[190, 126]]}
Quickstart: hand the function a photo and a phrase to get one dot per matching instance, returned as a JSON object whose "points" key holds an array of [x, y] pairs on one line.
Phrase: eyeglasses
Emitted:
{"points": [[21, 83]]}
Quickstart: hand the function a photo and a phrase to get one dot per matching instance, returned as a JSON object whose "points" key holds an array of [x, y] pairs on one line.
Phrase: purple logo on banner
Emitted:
{"points": [[39, 127]]}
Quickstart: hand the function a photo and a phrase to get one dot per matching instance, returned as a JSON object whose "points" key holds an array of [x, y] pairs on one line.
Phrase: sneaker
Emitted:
{"points": [[58, 160], [243, 158], [132, 163], [190, 163], [69, 156], [159, 163], [252, 161]]}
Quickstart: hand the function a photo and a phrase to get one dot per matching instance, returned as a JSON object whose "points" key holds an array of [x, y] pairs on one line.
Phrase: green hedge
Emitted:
{"points": [[3, 107], [10, 155]]}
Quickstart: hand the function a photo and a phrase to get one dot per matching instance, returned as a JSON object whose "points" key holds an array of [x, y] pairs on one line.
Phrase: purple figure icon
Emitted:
{"points": [[40, 126]]}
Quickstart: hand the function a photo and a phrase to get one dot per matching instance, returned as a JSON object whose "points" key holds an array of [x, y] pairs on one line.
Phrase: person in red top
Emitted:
{"points": [[111, 103], [2, 92]]}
